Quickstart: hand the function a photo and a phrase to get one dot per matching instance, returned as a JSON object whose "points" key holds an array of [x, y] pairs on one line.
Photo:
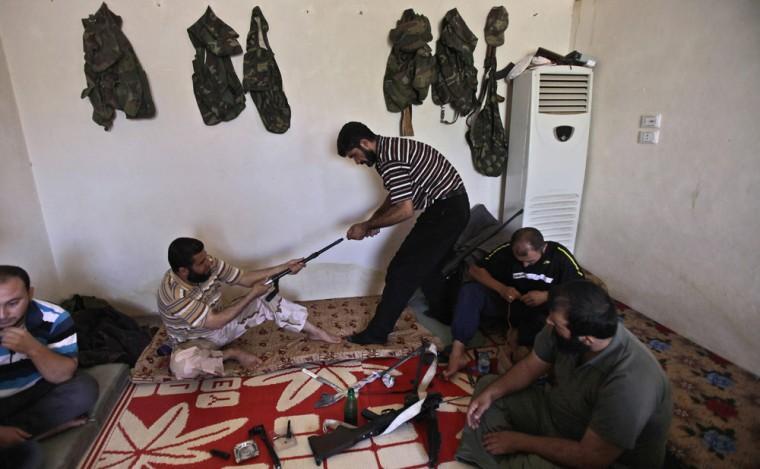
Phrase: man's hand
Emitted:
{"points": [[358, 231], [501, 442], [20, 341], [509, 294], [295, 265], [477, 406], [535, 298], [258, 289], [10, 436]]}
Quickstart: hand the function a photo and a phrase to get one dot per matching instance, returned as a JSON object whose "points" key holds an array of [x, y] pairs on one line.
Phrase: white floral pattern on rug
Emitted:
{"points": [[135, 444]]}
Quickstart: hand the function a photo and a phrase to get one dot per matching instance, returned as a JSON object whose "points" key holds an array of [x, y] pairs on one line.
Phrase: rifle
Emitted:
{"points": [[385, 375], [572, 58], [275, 279], [342, 438], [452, 265]]}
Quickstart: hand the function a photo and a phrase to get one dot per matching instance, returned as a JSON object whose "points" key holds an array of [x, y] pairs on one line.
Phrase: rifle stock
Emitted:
{"points": [[342, 438]]}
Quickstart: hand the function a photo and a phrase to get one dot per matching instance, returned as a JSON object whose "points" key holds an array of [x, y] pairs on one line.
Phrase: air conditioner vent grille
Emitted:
{"points": [[555, 216], [561, 93]]}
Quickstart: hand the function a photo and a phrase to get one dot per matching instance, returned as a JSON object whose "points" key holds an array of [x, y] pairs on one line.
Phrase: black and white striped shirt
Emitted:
{"points": [[415, 170]]}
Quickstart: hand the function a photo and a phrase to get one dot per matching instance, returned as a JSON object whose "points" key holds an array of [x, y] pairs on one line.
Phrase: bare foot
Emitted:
{"points": [[457, 359], [315, 333], [247, 360]]}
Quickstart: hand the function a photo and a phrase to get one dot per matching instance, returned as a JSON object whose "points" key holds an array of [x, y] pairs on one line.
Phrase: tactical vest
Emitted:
{"points": [[217, 88], [115, 78], [410, 68], [261, 77], [456, 78]]}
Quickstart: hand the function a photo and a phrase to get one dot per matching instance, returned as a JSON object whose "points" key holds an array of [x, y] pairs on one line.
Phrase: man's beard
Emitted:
{"points": [[371, 156], [571, 346], [198, 278]]}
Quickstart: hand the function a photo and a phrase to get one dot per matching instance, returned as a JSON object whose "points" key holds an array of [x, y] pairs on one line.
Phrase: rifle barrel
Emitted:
{"points": [[306, 259]]}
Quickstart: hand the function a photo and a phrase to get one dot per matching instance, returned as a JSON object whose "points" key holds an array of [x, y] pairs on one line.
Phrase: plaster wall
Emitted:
{"points": [[23, 236], [112, 201], [673, 227]]}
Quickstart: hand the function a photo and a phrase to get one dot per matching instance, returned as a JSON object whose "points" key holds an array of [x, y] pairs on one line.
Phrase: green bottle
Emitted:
{"points": [[350, 411]]}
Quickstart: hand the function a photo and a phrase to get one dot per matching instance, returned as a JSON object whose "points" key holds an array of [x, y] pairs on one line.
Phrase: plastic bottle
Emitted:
{"points": [[350, 411], [484, 363]]}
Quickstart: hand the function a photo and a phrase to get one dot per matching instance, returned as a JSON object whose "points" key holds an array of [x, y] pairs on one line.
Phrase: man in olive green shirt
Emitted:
{"points": [[610, 404]]}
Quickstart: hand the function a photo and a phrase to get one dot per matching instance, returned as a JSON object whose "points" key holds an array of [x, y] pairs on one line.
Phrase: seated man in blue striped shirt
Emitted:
{"points": [[40, 388]]}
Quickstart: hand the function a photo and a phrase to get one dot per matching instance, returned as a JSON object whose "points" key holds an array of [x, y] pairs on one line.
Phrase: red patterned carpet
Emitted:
{"points": [[176, 424], [716, 421]]}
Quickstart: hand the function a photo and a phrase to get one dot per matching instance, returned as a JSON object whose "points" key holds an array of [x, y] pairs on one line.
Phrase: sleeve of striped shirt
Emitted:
{"points": [[63, 336], [398, 181], [225, 272], [193, 312]]}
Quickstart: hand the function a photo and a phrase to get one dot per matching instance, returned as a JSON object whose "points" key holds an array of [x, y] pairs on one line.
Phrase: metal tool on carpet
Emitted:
{"points": [[219, 453], [286, 440], [274, 280], [259, 430], [245, 450], [322, 380], [385, 375]]}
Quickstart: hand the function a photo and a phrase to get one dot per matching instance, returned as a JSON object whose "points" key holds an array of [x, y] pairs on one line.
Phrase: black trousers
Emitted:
{"points": [[419, 260]]}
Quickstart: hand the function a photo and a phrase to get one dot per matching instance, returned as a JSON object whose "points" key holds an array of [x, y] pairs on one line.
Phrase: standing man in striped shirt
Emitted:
{"points": [[40, 388], [417, 177]]}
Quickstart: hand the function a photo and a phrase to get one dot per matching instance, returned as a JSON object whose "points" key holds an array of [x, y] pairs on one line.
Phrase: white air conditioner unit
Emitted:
{"points": [[548, 143]]}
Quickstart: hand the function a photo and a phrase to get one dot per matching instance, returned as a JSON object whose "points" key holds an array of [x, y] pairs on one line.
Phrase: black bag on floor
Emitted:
{"points": [[104, 335]]}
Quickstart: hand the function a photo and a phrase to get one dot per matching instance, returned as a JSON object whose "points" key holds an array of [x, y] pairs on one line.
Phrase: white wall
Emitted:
{"points": [[113, 201], [673, 228], [23, 237]]}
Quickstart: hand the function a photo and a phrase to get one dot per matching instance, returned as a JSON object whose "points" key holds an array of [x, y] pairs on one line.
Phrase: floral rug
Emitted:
{"points": [[279, 349], [716, 404], [176, 424], [716, 420]]}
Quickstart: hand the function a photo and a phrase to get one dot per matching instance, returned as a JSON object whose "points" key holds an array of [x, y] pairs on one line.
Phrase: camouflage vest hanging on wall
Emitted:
{"points": [[486, 135], [217, 89], [410, 67], [115, 79], [261, 76], [456, 78]]}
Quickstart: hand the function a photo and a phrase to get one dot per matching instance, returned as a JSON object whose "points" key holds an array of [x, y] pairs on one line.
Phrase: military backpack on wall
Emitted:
{"points": [[486, 135], [217, 88], [410, 67], [456, 78], [262, 78]]}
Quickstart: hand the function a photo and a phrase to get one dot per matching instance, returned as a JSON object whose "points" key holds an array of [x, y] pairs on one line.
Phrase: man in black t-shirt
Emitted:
{"points": [[418, 178], [512, 282]]}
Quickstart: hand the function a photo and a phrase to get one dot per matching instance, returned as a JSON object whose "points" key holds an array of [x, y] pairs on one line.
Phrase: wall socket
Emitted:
{"points": [[651, 121], [649, 136]]}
